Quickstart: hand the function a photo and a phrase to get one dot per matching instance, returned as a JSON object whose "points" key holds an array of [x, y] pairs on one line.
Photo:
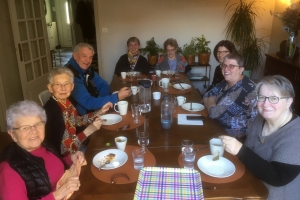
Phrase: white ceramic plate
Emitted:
{"points": [[166, 72], [120, 159], [184, 85], [221, 168], [195, 106], [111, 119]]}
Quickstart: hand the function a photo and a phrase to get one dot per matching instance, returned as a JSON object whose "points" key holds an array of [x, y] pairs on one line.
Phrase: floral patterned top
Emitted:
{"points": [[235, 107]]}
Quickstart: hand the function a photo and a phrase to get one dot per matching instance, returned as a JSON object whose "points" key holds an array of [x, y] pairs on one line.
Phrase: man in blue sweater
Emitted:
{"points": [[90, 92]]}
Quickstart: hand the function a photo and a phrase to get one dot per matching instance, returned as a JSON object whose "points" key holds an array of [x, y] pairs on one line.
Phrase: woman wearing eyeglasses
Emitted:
{"points": [[65, 128], [29, 167], [223, 48], [232, 101], [271, 150], [132, 60], [171, 60]]}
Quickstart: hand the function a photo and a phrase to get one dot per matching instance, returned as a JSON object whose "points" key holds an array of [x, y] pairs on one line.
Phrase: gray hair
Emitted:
{"points": [[58, 71], [279, 84], [237, 57], [83, 45], [23, 109]]}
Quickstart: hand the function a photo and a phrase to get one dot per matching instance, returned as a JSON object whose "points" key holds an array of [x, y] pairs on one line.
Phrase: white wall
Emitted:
{"points": [[163, 19]]}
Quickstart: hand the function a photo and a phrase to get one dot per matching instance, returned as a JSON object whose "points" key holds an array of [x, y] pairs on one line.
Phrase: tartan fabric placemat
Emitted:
{"points": [[168, 183]]}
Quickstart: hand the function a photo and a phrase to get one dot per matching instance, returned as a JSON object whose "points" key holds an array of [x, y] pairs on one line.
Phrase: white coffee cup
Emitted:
{"points": [[123, 74], [181, 100], [156, 95], [158, 72], [121, 142], [216, 146], [164, 82], [134, 90], [122, 107]]}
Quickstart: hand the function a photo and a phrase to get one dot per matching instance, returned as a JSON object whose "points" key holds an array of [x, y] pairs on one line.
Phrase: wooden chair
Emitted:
{"points": [[44, 96]]}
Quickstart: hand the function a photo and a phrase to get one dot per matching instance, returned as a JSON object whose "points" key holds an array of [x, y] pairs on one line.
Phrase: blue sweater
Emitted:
{"points": [[85, 101]]}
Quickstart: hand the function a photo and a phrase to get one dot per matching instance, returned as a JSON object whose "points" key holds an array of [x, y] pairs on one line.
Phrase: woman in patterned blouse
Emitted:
{"points": [[232, 101], [65, 128]]}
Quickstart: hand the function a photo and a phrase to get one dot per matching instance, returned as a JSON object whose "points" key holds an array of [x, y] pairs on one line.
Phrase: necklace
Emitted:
{"points": [[262, 138]]}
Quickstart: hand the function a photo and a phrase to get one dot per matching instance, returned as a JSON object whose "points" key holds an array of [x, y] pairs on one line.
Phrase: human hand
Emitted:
{"points": [[124, 92], [78, 156], [70, 185], [104, 108], [232, 146], [93, 127]]}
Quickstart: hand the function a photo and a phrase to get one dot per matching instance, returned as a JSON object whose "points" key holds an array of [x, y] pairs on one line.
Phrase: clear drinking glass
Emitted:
{"points": [[173, 100], [189, 159], [136, 111], [187, 146], [143, 140]]}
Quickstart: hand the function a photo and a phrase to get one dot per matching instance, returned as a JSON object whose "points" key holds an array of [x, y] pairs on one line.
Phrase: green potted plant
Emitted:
{"points": [[241, 30], [153, 51], [203, 50], [189, 51]]}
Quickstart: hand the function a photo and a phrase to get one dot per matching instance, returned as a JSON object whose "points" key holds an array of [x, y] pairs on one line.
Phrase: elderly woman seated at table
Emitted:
{"points": [[172, 60], [64, 125], [30, 168], [233, 101], [271, 150], [132, 60]]}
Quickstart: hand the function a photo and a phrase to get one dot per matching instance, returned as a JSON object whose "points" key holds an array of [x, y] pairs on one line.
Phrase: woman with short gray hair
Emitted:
{"points": [[65, 128], [272, 145], [27, 164]]}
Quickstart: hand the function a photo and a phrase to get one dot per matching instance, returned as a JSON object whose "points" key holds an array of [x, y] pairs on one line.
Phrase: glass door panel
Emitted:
{"points": [[31, 29], [42, 47], [39, 28], [34, 50], [23, 31], [37, 68], [29, 72], [45, 65], [37, 8], [25, 52], [20, 9], [28, 9]]}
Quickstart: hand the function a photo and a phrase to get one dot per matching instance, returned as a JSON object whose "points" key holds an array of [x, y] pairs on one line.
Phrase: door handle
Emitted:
{"points": [[20, 52]]}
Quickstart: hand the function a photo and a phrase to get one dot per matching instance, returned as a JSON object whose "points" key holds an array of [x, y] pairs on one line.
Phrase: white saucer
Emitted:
{"points": [[221, 168], [184, 86], [111, 119], [195, 107], [120, 159]]}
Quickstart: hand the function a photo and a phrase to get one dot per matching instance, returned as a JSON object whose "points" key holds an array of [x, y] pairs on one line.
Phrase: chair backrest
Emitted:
{"points": [[44, 96]]}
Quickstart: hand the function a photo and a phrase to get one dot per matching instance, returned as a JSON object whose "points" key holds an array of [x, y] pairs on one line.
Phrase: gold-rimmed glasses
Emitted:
{"points": [[61, 85]]}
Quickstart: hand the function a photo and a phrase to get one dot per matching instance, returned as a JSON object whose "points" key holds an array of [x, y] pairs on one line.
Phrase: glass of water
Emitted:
{"points": [[187, 146], [143, 140], [138, 158], [189, 159], [136, 111]]}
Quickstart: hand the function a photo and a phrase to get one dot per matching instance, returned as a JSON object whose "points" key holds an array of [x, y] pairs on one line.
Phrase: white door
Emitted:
{"points": [[63, 23], [31, 44]]}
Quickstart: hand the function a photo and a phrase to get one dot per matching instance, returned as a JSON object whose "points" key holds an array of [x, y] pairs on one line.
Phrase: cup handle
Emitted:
{"points": [[159, 83], [184, 100], [115, 108]]}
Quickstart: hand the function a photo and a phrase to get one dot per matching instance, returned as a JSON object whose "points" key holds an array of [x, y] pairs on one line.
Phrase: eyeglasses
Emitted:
{"points": [[272, 99], [59, 85], [171, 50], [133, 44], [222, 52], [26, 128], [230, 67]]}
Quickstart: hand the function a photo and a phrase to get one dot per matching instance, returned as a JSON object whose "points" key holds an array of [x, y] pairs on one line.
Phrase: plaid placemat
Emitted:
{"points": [[168, 183]]}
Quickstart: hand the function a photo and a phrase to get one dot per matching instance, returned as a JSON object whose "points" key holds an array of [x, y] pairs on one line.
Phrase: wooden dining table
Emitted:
{"points": [[165, 146]]}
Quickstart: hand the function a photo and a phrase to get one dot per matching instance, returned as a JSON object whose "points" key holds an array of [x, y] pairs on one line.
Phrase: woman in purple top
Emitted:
{"points": [[172, 60]]}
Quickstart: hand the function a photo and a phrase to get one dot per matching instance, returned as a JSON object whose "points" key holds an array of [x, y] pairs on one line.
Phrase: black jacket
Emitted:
{"points": [[123, 65]]}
